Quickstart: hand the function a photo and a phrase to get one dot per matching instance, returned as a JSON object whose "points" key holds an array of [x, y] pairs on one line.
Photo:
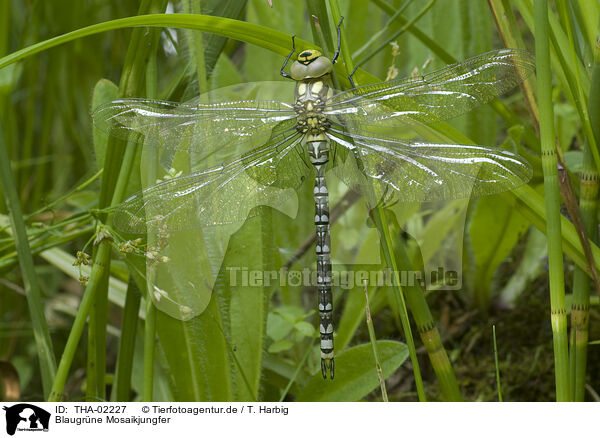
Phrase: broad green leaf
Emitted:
{"points": [[355, 374], [251, 247], [217, 355], [197, 355]]}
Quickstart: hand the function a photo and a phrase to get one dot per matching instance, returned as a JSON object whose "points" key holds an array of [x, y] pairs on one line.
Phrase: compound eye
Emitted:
{"points": [[307, 56], [310, 64]]}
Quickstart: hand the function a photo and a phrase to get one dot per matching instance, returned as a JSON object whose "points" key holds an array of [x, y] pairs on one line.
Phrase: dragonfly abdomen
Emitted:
{"points": [[318, 151]]}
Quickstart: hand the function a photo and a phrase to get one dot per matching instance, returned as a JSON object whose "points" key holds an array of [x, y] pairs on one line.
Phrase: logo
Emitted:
{"points": [[26, 417]]}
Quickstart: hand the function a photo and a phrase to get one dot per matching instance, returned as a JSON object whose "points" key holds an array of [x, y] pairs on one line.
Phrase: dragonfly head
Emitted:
{"points": [[310, 64]]}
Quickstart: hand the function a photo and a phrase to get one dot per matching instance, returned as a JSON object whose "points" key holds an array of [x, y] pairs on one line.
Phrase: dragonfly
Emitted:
{"points": [[322, 129]]}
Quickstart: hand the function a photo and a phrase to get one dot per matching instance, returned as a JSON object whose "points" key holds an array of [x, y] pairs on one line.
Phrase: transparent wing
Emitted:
{"points": [[420, 172], [434, 97], [267, 175], [203, 126]]}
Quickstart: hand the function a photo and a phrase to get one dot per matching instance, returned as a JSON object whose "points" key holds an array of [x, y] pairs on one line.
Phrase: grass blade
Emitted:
{"points": [[373, 340], [34, 298], [498, 385]]}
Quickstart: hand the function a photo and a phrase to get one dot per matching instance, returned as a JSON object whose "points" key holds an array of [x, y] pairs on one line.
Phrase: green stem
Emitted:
{"points": [[98, 269], [552, 202], [96, 360], [122, 386], [51, 205], [149, 348], [589, 185]]}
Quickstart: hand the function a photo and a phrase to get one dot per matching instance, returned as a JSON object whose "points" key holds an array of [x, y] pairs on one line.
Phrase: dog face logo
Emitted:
{"points": [[26, 417]]}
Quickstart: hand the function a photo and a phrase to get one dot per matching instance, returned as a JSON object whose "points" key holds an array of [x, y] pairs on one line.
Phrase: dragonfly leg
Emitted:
{"points": [[350, 77], [339, 41], [283, 73]]}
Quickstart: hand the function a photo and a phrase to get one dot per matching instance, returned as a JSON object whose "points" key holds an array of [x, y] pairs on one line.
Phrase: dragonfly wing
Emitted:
{"points": [[419, 172], [225, 194], [436, 96], [195, 125]]}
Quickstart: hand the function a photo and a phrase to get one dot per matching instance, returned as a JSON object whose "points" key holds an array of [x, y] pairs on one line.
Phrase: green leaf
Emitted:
{"points": [[268, 38], [281, 345], [217, 355], [355, 374], [250, 247], [305, 328], [277, 327]]}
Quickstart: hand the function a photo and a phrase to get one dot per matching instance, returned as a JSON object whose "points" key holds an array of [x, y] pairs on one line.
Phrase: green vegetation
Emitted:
{"points": [[75, 319]]}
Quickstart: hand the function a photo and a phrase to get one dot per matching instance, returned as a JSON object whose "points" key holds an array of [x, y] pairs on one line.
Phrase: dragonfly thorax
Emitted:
{"points": [[311, 95]]}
